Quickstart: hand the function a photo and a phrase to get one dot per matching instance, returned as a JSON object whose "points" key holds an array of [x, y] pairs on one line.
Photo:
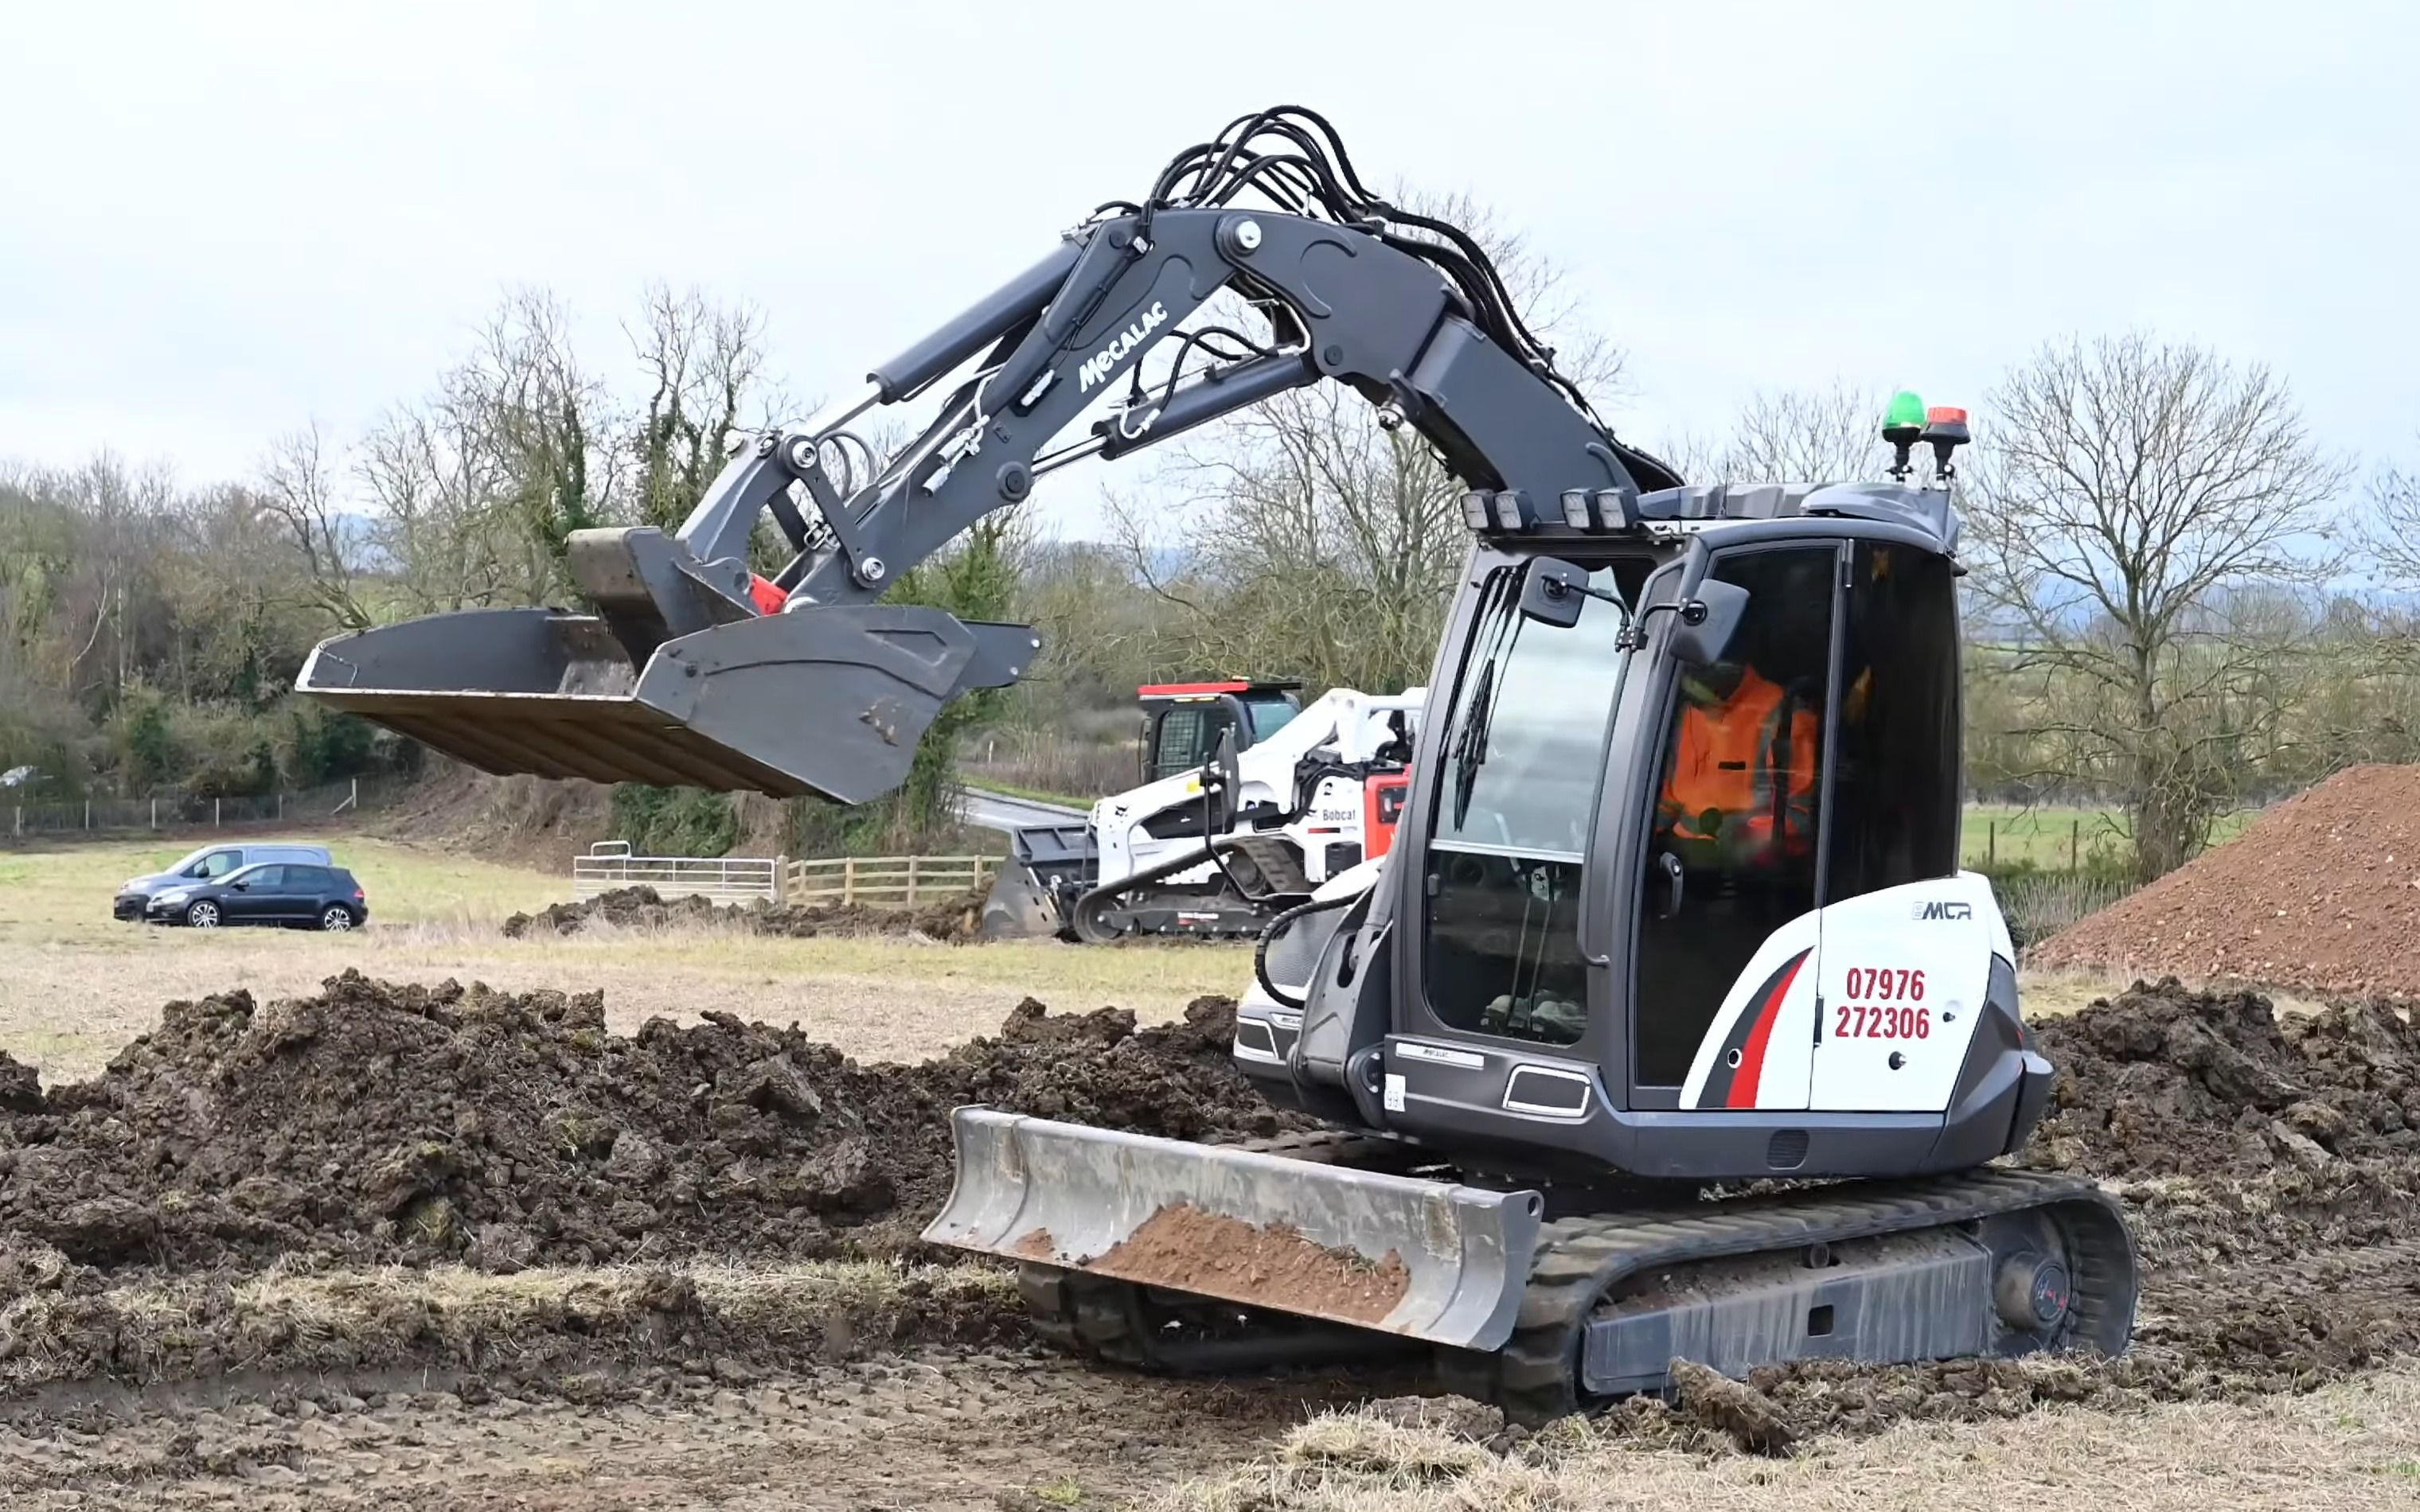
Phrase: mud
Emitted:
{"points": [[940, 1430], [1207, 1254], [2321, 896], [953, 920], [376, 1123], [2270, 1165], [589, 1335]]}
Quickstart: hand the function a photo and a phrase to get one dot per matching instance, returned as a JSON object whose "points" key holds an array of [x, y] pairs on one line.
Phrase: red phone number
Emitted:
{"points": [[1883, 1021]]}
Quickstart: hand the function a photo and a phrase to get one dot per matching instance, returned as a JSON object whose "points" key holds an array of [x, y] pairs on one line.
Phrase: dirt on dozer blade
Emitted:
{"points": [[1430, 1260]]}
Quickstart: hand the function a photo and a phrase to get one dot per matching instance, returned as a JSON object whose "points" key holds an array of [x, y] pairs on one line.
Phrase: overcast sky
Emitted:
{"points": [[219, 221]]}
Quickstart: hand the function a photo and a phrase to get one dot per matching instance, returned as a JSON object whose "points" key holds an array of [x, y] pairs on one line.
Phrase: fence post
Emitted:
{"points": [[1990, 842], [281, 807], [911, 881], [87, 813], [781, 879], [2075, 844], [848, 880], [214, 811]]}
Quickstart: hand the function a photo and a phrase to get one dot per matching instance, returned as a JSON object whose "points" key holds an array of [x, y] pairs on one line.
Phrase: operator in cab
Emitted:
{"points": [[1739, 796]]}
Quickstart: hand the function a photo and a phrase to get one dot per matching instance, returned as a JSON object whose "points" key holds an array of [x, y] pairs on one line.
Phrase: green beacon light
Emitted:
{"points": [[1902, 427]]}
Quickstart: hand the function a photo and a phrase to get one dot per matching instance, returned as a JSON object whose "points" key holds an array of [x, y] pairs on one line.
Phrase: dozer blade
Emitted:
{"points": [[824, 701], [1424, 1259]]}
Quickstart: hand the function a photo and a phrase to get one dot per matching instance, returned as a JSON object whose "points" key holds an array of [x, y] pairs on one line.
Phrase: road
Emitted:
{"points": [[994, 810]]}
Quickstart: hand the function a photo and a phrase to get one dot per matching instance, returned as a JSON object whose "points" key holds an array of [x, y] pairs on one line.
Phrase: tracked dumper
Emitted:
{"points": [[1668, 1026]]}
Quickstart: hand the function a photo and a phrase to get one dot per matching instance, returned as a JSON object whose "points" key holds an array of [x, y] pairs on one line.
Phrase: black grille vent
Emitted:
{"points": [[1786, 1150]]}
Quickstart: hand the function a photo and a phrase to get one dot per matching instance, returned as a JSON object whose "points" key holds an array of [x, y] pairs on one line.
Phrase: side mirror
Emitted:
{"points": [[1222, 782], [1553, 591], [1707, 622]]}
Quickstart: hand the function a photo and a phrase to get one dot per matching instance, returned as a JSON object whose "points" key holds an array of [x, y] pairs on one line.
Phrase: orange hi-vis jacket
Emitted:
{"points": [[1739, 780]]}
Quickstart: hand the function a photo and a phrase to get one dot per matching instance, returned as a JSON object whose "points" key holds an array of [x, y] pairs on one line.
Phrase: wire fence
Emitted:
{"points": [[328, 800]]}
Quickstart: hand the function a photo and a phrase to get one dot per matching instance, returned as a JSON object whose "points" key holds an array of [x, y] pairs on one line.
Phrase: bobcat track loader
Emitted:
{"points": [[1315, 790], [1608, 1077]]}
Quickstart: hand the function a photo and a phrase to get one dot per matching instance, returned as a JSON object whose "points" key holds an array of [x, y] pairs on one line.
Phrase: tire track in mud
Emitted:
{"points": [[925, 1429]]}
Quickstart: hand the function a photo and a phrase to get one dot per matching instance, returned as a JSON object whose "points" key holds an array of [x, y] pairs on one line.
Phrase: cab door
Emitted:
{"points": [[1726, 950], [1908, 940]]}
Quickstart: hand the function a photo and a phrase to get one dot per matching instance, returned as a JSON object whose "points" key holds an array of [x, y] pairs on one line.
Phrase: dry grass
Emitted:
{"points": [[2348, 1447], [78, 986]]}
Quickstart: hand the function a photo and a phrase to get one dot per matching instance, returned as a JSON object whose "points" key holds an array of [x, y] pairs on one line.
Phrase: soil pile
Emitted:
{"points": [[2321, 896], [955, 920], [376, 1123]]}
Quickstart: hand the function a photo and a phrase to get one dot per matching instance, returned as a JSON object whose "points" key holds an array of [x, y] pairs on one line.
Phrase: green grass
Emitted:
{"points": [[2055, 836], [68, 886], [1010, 789]]}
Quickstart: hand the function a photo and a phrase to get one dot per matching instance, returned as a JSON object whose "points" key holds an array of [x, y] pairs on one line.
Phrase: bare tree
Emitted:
{"points": [[2128, 497], [1804, 436], [2391, 534], [704, 363], [298, 487], [1315, 542]]}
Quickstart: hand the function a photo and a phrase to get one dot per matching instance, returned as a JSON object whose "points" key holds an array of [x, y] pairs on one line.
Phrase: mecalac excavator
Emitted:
{"points": [[1317, 789], [1642, 1042]]}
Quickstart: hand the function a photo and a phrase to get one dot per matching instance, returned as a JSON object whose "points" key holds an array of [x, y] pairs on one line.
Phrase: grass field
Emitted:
{"points": [[2055, 836], [77, 984]]}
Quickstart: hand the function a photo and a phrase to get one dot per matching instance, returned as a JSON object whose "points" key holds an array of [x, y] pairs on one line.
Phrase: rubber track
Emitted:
{"points": [[1535, 1376]]}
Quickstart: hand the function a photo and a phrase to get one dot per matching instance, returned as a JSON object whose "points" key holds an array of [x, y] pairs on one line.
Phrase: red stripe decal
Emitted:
{"points": [[1751, 1066]]}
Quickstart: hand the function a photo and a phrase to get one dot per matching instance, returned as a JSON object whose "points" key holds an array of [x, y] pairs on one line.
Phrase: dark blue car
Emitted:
{"points": [[288, 894]]}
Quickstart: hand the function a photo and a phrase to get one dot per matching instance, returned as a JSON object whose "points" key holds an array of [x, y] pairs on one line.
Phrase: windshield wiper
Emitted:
{"points": [[1470, 747]]}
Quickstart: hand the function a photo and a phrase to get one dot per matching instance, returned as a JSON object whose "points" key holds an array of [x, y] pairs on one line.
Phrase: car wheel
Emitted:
{"points": [[204, 915], [336, 918]]}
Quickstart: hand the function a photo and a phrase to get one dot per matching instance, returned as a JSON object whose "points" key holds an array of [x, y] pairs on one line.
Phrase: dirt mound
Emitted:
{"points": [[375, 1122], [2322, 895], [955, 920]]}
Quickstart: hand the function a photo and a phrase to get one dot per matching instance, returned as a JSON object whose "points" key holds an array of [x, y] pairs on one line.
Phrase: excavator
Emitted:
{"points": [[1317, 789], [1607, 1069]]}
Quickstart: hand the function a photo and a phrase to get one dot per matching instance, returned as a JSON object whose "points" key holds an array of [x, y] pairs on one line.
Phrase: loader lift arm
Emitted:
{"points": [[1405, 309]]}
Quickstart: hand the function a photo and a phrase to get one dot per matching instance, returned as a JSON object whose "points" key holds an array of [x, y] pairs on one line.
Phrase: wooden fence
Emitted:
{"points": [[892, 881]]}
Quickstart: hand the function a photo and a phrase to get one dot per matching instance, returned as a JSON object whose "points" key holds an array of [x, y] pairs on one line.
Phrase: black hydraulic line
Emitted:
{"points": [[1260, 947]]}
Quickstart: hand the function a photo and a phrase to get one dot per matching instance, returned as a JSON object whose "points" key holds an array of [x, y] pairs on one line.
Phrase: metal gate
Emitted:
{"points": [[724, 879]]}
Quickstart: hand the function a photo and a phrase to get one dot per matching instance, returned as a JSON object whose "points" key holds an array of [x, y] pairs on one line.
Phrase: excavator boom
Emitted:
{"points": [[686, 668]]}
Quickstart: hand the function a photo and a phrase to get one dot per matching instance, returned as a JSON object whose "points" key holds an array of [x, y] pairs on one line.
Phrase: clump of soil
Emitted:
{"points": [[376, 1123], [955, 920], [2322, 895]]}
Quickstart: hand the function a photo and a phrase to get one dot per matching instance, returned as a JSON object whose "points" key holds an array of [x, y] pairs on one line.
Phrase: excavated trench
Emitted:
{"points": [[2270, 1165]]}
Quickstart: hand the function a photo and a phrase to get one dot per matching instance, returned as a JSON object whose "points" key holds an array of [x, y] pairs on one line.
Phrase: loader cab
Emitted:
{"points": [[1644, 844], [1182, 722]]}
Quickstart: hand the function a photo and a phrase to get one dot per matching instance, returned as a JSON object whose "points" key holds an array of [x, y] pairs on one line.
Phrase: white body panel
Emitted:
{"points": [[1897, 976], [1903, 972]]}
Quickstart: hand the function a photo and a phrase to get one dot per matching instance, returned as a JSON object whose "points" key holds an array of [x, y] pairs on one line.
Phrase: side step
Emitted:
{"points": [[1429, 1260]]}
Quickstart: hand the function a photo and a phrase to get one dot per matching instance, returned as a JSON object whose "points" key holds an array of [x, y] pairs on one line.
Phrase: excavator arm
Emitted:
{"points": [[694, 671]]}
